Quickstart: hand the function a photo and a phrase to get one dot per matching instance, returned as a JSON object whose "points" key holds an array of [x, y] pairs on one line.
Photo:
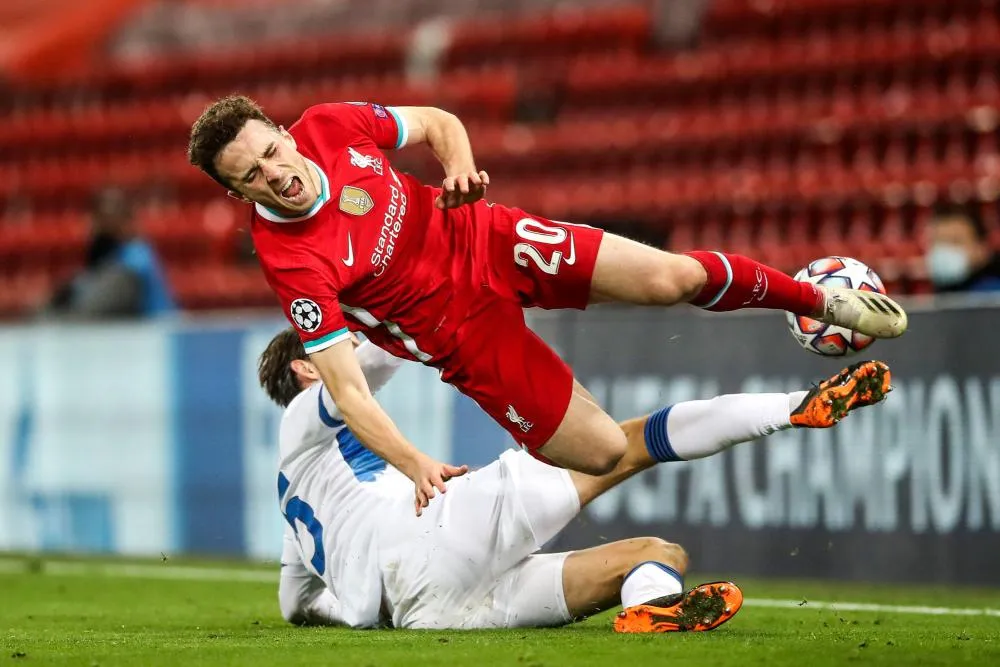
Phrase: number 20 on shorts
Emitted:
{"points": [[535, 233]]}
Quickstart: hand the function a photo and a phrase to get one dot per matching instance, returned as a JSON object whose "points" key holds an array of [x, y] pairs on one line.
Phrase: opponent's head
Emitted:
{"points": [[235, 143], [284, 368]]}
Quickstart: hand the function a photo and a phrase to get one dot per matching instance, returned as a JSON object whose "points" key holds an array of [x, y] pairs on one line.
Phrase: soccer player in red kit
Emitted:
{"points": [[440, 275]]}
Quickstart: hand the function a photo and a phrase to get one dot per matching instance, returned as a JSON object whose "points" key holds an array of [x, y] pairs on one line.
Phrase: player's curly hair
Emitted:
{"points": [[274, 368], [216, 127]]}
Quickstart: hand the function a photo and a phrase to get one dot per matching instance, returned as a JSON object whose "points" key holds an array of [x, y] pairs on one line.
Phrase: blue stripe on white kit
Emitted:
{"points": [[364, 462]]}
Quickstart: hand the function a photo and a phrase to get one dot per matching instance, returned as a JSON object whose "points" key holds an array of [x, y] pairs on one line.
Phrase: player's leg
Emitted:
{"points": [[554, 264], [587, 440], [626, 271], [547, 590], [645, 574], [594, 579], [697, 429], [681, 432], [439, 569]]}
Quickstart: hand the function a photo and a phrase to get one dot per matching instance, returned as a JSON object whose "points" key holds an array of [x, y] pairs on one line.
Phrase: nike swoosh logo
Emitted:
{"points": [[571, 260], [349, 261]]}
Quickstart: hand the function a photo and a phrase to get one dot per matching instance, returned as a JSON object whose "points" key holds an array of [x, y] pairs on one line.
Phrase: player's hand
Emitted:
{"points": [[430, 476], [461, 189]]}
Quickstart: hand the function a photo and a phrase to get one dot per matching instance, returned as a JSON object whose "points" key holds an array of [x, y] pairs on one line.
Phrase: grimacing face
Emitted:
{"points": [[263, 166]]}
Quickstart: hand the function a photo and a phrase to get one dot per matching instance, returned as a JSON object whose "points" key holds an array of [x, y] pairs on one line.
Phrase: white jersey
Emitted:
{"points": [[463, 563], [331, 488]]}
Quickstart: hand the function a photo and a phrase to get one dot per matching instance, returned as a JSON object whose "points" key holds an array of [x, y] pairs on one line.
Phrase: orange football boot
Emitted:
{"points": [[703, 608], [864, 383]]}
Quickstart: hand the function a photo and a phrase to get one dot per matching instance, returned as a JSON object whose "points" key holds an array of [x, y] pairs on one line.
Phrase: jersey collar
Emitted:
{"points": [[324, 197]]}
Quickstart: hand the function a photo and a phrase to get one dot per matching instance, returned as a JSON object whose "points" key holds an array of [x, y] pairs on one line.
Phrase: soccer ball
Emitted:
{"points": [[827, 339]]}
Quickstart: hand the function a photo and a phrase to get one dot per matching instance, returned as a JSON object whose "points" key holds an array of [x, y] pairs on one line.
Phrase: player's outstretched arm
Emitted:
{"points": [[445, 134], [341, 373]]}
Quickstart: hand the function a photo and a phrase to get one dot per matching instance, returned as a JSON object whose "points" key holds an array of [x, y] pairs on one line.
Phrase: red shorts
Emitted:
{"points": [[499, 362]]}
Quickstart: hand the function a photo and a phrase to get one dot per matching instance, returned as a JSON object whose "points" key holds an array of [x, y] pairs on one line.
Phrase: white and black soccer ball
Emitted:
{"points": [[306, 315], [827, 339]]}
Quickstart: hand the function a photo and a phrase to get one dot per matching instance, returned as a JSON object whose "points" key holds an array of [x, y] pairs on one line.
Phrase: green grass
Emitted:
{"points": [[90, 616]]}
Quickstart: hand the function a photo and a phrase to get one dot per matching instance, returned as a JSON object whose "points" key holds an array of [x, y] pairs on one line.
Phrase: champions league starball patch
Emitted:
{"points": [[306, 315]]}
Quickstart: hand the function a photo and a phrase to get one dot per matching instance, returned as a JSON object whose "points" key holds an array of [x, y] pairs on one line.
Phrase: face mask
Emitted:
{"points": [[947, 264]]}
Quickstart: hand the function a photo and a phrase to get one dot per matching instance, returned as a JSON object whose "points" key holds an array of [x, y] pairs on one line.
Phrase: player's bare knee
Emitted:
{"points": [[603, 464], [660, 551], [673, 555], [606, 453]]}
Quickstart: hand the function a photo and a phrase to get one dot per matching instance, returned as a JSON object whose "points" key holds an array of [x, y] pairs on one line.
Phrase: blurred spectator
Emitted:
{"points": [[960, 258], [121, 276]]}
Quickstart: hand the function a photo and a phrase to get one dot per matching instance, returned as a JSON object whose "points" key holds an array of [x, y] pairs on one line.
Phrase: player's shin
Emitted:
{"points": [[735, 282], [692, 430], [696, 429]]}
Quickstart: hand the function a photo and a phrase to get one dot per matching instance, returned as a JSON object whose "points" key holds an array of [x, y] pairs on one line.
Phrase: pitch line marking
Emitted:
{"points": [[140, 571], [865, 606]]}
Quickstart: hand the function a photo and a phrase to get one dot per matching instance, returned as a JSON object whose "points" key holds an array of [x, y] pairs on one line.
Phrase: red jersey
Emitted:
{"points": [[373, 254], [442, 287]]}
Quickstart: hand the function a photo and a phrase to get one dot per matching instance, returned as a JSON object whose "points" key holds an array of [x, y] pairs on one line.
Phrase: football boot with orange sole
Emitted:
{"points": [[864, 383], [705, 607]]}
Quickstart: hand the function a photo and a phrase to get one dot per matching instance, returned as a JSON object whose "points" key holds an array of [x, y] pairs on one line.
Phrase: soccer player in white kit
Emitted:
{"points": [[355, 554]]}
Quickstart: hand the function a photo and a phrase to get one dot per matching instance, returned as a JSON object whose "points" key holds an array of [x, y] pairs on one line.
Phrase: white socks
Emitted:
{"points": [[795, 400], [696, 429], [648, 581]]}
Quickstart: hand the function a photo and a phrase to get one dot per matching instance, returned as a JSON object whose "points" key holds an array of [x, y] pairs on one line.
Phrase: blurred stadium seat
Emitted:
{"points": [[793, 129]]}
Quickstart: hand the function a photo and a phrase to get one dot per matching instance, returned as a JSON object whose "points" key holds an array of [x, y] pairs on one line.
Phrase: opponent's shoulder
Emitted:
{"points": [[298, 414], [306, 422]]}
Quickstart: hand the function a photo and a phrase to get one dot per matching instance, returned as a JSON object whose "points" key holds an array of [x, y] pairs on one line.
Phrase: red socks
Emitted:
{"points": [[736, 282]]}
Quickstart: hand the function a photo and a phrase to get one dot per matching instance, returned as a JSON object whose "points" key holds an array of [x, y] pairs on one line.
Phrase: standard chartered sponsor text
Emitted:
{"points": [[391, 226]]}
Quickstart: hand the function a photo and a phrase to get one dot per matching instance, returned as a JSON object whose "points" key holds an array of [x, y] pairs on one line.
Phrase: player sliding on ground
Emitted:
{"points": [[353, 555], [439, 275]]}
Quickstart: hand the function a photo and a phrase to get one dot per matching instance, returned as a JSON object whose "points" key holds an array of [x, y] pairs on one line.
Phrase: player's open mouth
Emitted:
{"points": [[293, 188]]}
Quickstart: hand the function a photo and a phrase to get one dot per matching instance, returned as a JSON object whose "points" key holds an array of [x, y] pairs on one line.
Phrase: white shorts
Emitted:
{"points": [[466, 563]]}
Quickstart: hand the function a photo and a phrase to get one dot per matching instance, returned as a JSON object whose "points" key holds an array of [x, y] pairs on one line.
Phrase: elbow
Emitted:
{"points": [[450, 118], [441, 123], [294, 616], [293, 598]]}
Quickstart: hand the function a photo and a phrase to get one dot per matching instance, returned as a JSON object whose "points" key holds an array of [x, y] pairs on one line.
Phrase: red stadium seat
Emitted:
{"points": [[796, 128]]}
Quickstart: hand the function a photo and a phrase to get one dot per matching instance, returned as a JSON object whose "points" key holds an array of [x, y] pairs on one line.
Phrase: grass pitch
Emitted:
{"points": [[102, 613]]}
